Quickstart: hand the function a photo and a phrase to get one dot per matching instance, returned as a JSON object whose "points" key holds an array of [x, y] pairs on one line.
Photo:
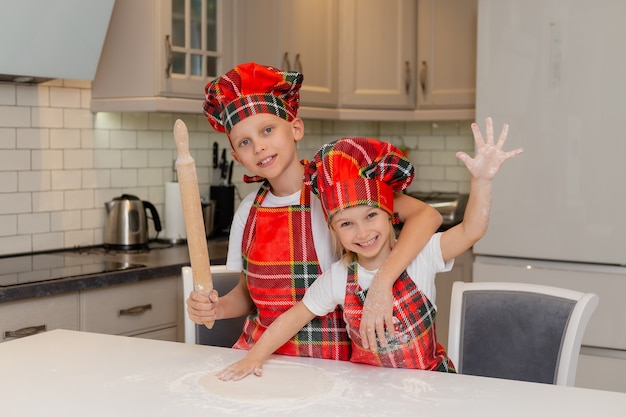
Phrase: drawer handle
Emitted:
{"points": [[135, 311], [26, 331]]}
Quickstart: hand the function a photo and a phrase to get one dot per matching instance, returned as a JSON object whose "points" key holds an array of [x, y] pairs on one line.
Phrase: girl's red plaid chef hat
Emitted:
{"points": [[358, 171], [250, 89]]}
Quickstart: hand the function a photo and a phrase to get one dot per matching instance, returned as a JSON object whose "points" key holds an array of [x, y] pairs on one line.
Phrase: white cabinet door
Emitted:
{"points": [[159, 50], [298, 35], [446, 53], [24, 318], [377, 54]]}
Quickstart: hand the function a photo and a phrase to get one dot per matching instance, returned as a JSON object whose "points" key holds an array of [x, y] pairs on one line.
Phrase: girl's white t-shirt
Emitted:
{"points": [[329, 290], [321, 233]]}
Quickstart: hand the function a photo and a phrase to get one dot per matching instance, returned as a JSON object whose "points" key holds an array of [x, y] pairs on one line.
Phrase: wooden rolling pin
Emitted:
{"points": [[192, 210]]}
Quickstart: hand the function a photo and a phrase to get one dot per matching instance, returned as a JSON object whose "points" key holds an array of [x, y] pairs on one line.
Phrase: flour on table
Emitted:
{"points": [[281, 381]]}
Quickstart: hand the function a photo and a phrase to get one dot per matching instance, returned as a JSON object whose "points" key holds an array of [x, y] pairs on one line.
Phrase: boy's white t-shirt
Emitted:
{"points": [[321, 233], [329, 290]]}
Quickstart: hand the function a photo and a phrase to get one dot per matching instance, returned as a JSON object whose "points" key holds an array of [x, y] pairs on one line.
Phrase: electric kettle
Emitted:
{"points": [[127, 222]]}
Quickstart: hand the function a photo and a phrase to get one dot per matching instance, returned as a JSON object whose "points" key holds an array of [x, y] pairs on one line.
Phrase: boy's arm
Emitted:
{"points": [[237, 303], [276, 335], [483, 167], [420, 222]]}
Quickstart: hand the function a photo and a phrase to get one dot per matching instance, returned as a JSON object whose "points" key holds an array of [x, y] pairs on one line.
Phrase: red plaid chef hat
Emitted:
{"points": [[358, 171], [250, 89]]}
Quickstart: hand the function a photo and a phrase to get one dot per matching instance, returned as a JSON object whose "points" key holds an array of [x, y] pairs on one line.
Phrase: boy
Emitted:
{"points": [[279, 238]]}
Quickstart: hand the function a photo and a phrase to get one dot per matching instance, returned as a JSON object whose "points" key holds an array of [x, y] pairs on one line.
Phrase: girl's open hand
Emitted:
{"points": [[489, 156], [240, 370]]}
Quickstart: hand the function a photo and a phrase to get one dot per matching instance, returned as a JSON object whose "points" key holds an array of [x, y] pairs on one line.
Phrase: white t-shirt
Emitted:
{"points": [[329, 289], [321, 233]]}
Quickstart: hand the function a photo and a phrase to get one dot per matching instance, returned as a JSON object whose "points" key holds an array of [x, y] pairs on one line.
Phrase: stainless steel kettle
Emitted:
{"points": [[127, 222]]}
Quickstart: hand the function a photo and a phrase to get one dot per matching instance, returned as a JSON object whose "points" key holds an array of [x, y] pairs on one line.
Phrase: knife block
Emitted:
{"points": [[224, 198]]}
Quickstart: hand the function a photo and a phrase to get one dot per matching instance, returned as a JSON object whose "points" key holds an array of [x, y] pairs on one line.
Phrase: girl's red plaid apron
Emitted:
{"points": [[414, 344], [280, 263]]}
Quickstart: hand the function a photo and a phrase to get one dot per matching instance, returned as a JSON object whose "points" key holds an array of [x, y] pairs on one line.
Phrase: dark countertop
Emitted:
{"points": [[159, 262]]}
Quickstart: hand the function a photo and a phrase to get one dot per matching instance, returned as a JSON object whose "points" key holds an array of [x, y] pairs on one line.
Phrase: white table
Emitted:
{"points": [[69, 373]]}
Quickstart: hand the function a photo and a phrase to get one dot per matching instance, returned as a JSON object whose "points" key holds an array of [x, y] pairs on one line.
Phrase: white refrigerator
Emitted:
{"points": [[555, 70]]}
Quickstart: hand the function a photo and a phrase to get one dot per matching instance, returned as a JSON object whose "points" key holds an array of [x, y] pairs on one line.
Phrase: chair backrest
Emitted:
{"points": [[518, 331], [224, 332]]}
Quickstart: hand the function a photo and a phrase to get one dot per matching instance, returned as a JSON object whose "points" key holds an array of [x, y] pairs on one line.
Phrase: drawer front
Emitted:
{"points": [[602, 369], [170, 334], [131, 308], [22, 318]]}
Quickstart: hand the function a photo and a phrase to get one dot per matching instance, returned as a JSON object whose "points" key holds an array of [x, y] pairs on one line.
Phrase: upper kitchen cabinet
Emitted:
{"points": [[297, 35], [377, 54], [159, 54], [446, 53]]}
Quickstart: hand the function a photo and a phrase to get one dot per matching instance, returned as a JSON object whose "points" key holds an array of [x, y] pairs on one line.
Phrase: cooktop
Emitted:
{"points": [[32, 268]]}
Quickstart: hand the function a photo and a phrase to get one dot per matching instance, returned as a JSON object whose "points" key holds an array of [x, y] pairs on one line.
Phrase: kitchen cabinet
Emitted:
{"points": [[462, 271], [24, 318], [298, 35], [147, 309], [377, 54], [159, 54], [446, 53]]}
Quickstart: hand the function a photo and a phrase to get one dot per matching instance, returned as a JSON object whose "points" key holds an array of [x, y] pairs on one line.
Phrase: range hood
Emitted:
{"points": [[42, 40]]}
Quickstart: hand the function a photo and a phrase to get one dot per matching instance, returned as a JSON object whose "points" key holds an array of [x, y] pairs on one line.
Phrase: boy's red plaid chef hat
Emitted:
{"points": [[358, 171], [250, 89]]}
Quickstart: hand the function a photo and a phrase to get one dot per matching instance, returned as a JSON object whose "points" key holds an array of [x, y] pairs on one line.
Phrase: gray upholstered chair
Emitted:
{"points": [[518, 331]]}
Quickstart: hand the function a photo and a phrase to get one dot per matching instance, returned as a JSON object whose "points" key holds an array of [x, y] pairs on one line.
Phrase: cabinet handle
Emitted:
{"points": [[423, 77], [299, 64], [135, 311], [286, 65], [407, 75], [26, 331], [168, 54]]}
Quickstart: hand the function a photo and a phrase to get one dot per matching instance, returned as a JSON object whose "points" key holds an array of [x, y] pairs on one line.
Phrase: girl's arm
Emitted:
{"points": [[277, 334], [420, 222], [483, 167]]}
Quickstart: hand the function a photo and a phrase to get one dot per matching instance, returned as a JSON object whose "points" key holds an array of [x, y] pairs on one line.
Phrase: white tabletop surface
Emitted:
{"points": [[69, 373]]}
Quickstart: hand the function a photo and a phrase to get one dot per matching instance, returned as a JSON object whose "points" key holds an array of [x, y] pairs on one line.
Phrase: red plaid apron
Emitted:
{"points": [[414, 344], [280, 263]]}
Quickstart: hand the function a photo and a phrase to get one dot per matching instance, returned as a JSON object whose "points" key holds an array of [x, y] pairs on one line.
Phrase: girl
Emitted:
{"points": [[355, 179]]}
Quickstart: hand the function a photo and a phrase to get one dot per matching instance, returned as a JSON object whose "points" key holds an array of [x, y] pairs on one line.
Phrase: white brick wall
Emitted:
{"points": [[59, 163]]}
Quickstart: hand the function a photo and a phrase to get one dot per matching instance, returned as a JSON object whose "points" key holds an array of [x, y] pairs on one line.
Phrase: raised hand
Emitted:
{"points": [[489, 156]]}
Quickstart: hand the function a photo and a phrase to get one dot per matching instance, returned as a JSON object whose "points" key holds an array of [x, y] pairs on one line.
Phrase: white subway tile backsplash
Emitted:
{"points": [[65, 139], [78, 118], [135, 158], [64, 97], [123, 178], [59, 161], [47, 241], [47, 201], [107, 158], [30, 223], [8, 225], [78, 199], [46, 159], [8, 182], [46, 117], [65, 220], [7, 95], [33, 181], [14, 203], [33, 138], [96, 178], [8, 138], [15, 116], [65, 180], [15, 160]]}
